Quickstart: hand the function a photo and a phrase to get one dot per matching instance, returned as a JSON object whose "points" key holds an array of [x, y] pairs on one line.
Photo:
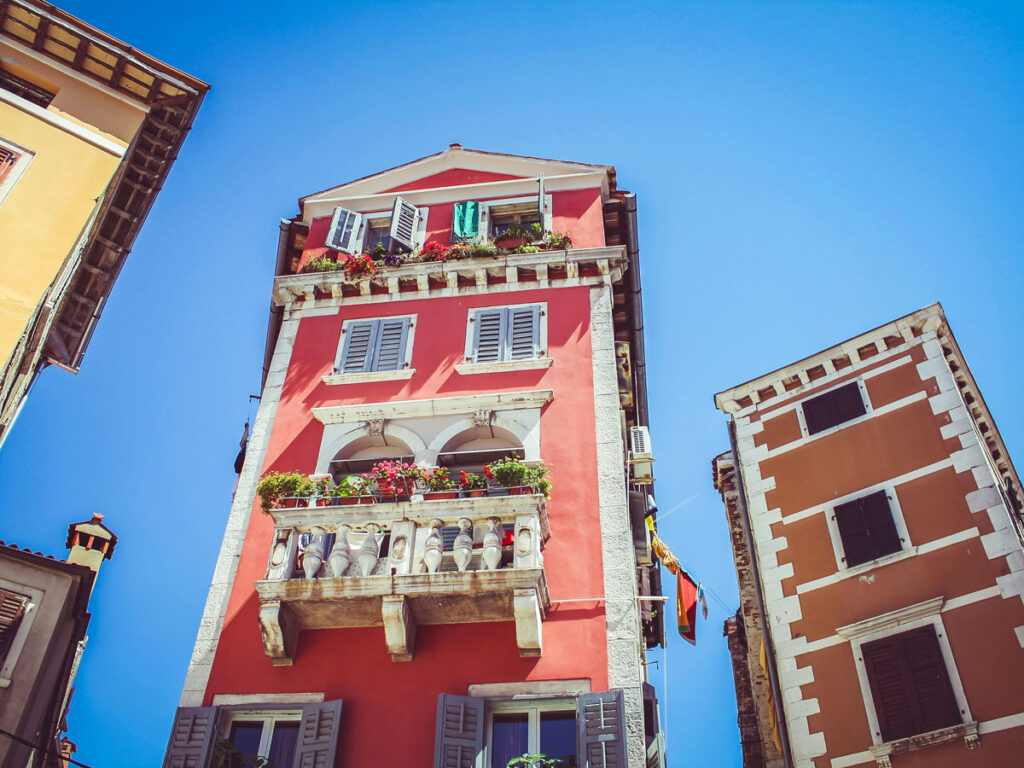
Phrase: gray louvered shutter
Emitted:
{"points": [[404, 220], [357, 351], [192, 737], [12, 609], [489, 335], [600, 731], [391, 338], [318, 735], [459, 738], [344, 230], [523, 333]]}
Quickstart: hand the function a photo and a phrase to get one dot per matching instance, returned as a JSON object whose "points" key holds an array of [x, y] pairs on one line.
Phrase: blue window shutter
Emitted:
{"points": [[344, 230], [192, 737], [600, 730], [391, 338], [317, 746], [523, 340], [357, 351], [459, 737], [489, 335]]}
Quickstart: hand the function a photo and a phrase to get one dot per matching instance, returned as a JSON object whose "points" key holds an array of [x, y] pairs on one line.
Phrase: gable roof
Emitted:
{"points": [[456, 157]]}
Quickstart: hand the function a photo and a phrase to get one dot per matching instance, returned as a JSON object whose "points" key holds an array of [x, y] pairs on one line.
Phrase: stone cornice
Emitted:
{"points": [[437, 406]]}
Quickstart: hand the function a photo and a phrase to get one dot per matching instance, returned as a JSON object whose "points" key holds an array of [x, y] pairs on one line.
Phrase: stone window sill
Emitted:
{"points": [[505, 365], [362, 378], [966, 731]]}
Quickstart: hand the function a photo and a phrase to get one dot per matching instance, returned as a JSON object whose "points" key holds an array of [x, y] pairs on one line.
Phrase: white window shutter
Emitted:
{"points": [[523, 341], [600, 732], [489, 335], [357, 351], [344, 231], [317, 745], [404, 223], [191, 742], [459, 735], [391, 338]]}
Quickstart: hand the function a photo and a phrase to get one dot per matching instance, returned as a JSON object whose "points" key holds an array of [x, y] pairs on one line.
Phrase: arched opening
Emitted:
{"points": [[362, 453], [474, 447]]}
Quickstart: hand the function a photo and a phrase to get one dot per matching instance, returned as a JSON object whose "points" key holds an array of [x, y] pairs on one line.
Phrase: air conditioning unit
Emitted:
{"points": [[640, 456]]}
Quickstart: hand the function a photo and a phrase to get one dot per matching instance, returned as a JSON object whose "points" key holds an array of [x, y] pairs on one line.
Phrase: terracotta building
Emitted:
{"points": [[876, 525], [89, 129], [458, 627]]}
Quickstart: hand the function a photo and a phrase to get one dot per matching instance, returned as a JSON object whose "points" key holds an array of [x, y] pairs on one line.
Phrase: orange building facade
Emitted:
{"points": [[876, 524]]}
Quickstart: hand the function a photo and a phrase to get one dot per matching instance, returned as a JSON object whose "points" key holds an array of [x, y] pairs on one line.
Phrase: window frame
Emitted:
{"points": [[338, 376], [231, 715], [896, 623], [378, 219], [838, 549], [24, 158], [540, 358], [35, 596], [802, 418], [484, 225], [533, 707]]}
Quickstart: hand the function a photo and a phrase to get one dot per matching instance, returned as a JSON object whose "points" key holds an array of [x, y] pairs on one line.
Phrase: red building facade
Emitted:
{"points": [[459, 631], [876, 521]]}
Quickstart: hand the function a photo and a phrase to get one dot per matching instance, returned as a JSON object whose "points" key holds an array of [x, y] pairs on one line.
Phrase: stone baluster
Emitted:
{"points": [[462, 550], [433, 547], [313, 553], [527, 542], [492, 544], [369, 552], [282, 554], [341, 554], [403, 546]]}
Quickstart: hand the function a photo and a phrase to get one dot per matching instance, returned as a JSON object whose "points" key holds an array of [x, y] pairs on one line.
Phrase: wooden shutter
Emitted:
{"points": [[8, 159], [342, 235], [885, 539], [854, 533], [12, 610], [357, 351], [847, 402], [833, 408], [523, 333], [391, 338], [459, 737], [909, 684], [317, 745], [404, 220], [489, 335], [192, 737], [600, 731]]}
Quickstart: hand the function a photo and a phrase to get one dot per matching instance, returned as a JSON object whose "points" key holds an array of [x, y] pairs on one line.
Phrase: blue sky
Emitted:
{"points": [[805, 171]]}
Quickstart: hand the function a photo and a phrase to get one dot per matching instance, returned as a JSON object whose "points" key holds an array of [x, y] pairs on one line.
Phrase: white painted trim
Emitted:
{"points": [[333, 379], [538, 363], [893, 621], [486, 205], [62, 123], [542, 337], [531, 688], [342, 378], [234, 699], [439, 406], [897, 517], [831, 430], [25, 158]]}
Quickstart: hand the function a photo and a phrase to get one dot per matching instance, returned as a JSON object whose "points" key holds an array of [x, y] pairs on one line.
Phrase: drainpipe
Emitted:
{"points": [[276, 312], [636, 312], [769, 646]]}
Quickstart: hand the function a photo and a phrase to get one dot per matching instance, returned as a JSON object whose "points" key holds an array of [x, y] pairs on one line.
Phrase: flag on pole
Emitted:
{"points": [[687, 590]]}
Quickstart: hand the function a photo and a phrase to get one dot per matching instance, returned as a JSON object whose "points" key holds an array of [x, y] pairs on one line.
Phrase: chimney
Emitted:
{"points": [[90, 542]]}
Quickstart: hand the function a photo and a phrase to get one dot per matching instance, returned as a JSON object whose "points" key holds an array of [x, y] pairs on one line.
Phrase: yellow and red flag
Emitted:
{"points": [[687, 590]]}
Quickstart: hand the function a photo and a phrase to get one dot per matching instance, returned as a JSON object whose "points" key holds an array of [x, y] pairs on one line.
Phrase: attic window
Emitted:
{"points": [[26, 90]]}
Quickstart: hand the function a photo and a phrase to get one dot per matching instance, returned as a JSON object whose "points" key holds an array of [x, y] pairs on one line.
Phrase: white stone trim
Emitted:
{"points": [[235, 699], [893, 621], [620, 592], [530, 688], [333, 379], [62, 123], [208, 637], [537, 363], [505, 365], [437, 406]]}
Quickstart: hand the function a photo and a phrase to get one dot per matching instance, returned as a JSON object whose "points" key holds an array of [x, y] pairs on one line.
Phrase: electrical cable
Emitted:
{"points": [[45, 750]]}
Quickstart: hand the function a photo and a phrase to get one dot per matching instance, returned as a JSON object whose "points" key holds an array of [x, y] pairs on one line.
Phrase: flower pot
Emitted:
{"points": [[323, 501], [510, 242], [520, 490], [387, 498], [475, 493], [365, 500], [432, 495], [346, 500]]}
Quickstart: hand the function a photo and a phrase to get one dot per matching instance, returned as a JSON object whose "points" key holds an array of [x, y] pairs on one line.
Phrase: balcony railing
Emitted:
{"points": [[402, 564]]}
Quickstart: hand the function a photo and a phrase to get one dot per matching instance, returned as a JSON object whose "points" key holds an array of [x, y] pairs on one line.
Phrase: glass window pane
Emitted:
{"points": [[558, 736], [509, 737], [245, 738], [282, 745]]}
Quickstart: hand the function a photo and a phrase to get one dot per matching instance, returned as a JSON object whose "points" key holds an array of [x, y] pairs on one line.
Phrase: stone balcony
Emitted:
{"points": [[365, 565]]}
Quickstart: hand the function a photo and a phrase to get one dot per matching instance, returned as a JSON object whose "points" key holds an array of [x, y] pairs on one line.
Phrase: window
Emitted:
{"points": [[12, 610], [234, 737], [506, 333], [586, 730], [13, 162], [382, 344], [496, 216], [867, 529], [25, 89], [352, 232], [910, 685], [832, 408], [522, 216]]}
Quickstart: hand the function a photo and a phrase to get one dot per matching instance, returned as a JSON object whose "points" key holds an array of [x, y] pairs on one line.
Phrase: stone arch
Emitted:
{"points": [[366, 440]]}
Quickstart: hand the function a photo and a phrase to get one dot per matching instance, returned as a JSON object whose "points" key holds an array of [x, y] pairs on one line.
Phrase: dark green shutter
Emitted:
{"points": [[192, 737], [600, 730], [317, 746], [459, 736]]}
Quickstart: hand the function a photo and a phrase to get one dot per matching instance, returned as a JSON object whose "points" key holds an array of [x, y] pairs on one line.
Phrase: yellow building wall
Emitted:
{"points": [[51, 204]]}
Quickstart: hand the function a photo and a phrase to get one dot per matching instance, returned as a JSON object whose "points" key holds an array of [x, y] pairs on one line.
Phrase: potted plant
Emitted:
{"points": [[535, 761], [353, 490], [320, 264], [280, 488], [557, 241], [472, 484], [439, 485], [324, 489], [511, 237], [358, 265], [519, 478], [394, 480], [482, 249], [433, 251], [459, 251]]}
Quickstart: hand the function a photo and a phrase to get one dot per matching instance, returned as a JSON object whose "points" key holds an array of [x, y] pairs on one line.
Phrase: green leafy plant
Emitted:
{"points": [[320, 264], [324, 487], [469, 481], [535, 231], [557, 241], [353, 485], [513, 231], [535, 761], [511, 473], [227, 755], [436, 479], [459, 251], [482, 249], [527, 249], [274, 486]]}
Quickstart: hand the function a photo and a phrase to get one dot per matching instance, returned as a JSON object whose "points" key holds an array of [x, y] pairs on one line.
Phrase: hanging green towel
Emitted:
{"points": [[466, 221]]}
